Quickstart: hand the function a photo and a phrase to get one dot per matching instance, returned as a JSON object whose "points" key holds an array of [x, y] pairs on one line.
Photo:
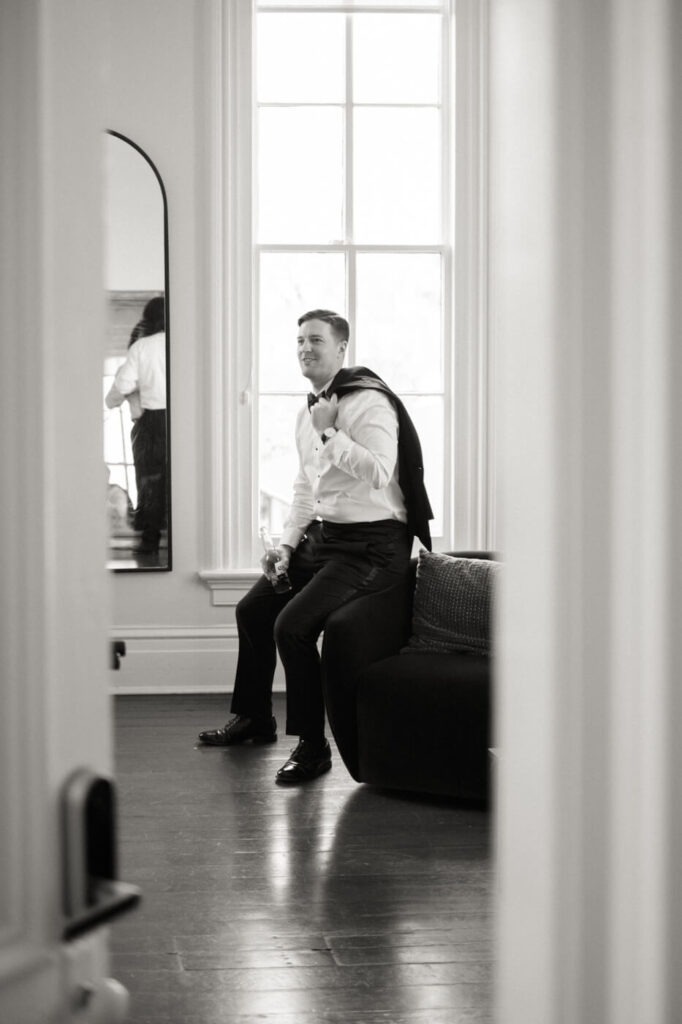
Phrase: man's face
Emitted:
{"points": [[320, 352]]}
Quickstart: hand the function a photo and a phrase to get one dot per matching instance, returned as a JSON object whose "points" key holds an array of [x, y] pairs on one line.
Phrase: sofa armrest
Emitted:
{"points": [[356, 635]]}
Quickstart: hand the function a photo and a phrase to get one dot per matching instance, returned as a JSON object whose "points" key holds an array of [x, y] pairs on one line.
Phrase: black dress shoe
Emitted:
{"points": [[307, 761], [239, 729]]}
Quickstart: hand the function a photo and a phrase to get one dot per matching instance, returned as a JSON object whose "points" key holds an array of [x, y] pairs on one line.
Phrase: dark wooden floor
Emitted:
{"points": [[330, 902]]}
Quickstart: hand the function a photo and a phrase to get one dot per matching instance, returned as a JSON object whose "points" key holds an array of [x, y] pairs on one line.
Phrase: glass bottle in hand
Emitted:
{"points": [[280, 582]]}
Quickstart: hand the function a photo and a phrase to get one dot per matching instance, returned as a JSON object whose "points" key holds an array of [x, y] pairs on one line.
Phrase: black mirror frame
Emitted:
{"points": [[166, 280]]}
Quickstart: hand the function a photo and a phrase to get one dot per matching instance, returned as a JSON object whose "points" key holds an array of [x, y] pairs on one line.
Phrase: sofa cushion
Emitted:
{"points": [[452, 608]]}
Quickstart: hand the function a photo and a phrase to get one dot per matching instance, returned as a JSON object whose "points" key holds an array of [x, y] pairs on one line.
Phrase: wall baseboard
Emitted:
{"points": [[178, 659], [161, 691]]}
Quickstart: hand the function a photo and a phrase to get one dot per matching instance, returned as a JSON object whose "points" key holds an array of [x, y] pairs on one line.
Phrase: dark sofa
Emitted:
{"points": [[413, 721]]}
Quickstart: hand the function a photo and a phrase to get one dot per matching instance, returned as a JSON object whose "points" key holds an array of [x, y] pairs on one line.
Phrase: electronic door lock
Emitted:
{"points": [[92, 893]]}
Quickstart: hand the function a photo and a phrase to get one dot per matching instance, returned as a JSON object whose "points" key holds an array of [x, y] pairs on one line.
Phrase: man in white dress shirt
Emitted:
{"points": [[346, 534], [142, 380]]}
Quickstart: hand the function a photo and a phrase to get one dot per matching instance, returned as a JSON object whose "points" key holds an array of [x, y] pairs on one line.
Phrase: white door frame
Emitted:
{"points": [[53, 585], [586, 231]]}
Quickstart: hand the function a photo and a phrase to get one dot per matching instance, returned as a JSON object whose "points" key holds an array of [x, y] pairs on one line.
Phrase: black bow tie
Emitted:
{"points": [[313, 399]]}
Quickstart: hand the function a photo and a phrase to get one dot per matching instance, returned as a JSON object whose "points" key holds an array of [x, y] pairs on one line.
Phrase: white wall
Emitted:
{"points": [[176, 637]]}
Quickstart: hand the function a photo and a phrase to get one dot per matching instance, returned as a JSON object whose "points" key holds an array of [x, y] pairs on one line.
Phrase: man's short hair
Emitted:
{"points": [[339, 326]]}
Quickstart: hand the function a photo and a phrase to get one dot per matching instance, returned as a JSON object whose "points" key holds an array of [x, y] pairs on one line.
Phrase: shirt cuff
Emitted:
{"points": [[292, 536], [337, 444]]}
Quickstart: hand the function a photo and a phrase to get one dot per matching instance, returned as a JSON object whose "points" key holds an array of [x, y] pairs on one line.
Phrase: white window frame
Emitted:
{"points": [[231, 389]]}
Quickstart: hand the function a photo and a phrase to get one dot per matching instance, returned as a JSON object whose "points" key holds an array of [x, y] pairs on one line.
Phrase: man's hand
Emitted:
{"points": [[324, 412], [274, 567]]}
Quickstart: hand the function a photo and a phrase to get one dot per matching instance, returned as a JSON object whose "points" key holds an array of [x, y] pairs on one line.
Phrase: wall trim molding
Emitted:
{"points": [[226, 631], [473, 483], [227, 210], [228, 587], [161, 691], [175, 659], [181, 659]]}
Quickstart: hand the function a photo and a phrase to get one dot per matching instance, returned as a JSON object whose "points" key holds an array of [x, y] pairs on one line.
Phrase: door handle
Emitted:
{"points": [[92, 892]]}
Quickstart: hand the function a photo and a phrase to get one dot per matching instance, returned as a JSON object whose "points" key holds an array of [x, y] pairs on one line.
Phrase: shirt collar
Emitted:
{"points": [[324, 386]]}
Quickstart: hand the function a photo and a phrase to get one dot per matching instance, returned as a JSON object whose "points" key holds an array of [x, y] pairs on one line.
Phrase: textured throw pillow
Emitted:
{"points": [[452, 608]]}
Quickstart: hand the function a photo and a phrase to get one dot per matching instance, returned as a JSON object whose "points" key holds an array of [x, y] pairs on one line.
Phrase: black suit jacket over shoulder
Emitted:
{"points": [[410, 461]]}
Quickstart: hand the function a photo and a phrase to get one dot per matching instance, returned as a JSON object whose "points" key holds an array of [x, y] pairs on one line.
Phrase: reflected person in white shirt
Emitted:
{"points": [[141, 379], [346, 535]]}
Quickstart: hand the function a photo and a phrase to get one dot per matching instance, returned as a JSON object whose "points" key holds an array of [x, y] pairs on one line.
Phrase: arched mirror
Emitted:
{"points": [[136, 388]]}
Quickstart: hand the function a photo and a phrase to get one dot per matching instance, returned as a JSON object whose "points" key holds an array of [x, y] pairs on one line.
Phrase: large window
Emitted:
{"points": [[353, 212]]}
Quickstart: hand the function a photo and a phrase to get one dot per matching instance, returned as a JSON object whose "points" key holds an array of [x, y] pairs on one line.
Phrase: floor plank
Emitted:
{"points": [[320, 904]]}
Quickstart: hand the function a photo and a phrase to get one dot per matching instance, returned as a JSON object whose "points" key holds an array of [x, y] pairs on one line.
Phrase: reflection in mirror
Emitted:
{"points": [[136, 378]]}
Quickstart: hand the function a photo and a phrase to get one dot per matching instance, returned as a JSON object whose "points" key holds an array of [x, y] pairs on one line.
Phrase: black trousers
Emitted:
{"points": [[333, 564], [149, 455]]}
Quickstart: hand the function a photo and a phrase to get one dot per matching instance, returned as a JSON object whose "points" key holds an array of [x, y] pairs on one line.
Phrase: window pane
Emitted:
{"points": [[396, 58], [278, 461], [290, 285], [399, 331], [301, 58], [397, 175], [427, 415], [118, 452], [300, 167], [117, 426]]}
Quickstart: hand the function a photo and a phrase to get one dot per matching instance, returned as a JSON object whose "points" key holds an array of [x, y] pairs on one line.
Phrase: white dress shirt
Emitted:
{"points": [[144, 370], [353, 478]]}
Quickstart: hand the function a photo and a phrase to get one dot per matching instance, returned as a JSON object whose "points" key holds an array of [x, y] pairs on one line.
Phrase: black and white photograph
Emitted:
{"points": [[341, 488]]}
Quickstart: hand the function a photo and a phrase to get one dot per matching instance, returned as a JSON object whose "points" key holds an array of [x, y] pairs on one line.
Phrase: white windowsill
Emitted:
{"points": [[227, 586]]}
